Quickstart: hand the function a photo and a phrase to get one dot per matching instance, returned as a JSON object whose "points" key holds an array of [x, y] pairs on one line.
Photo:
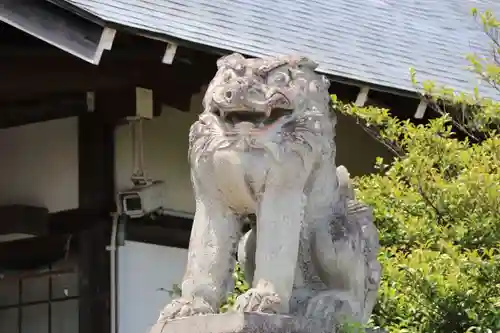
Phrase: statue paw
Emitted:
{"points": [[182, 307], [335, 307], [255, 300]]}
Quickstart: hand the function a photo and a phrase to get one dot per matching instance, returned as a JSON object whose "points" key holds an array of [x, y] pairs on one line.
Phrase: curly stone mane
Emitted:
{"points": [[271, 104]]}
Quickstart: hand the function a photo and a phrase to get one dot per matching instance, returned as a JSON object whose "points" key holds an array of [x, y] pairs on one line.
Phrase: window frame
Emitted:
{"points": [[50, 272]]}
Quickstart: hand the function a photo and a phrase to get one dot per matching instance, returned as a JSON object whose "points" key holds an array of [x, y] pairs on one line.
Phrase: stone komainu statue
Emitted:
{"points": [[263, 148]]}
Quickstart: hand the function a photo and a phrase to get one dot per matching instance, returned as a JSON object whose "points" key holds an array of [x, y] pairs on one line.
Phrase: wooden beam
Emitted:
{"points": [[22, 219], [135, 50], [11, 276], [17, 113], [36, 252], [74, 221], [163, 230], [43, 20], [173, 85], [56, 78], [96, 193], [96, 154]]}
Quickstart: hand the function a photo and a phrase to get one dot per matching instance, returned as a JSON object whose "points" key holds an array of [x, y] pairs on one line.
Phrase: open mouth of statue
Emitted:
{"points": [[259, 119]]}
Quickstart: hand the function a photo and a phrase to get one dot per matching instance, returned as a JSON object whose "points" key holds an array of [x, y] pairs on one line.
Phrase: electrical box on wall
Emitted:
{"points": [[142, 200], [144, 103]]}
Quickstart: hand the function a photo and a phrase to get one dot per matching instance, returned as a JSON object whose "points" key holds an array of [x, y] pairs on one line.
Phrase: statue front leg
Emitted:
{"points": [[208, 278], [278, 232]]}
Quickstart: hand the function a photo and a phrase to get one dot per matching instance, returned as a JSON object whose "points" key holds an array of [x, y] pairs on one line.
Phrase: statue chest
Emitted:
{"points": [[241, 178]]}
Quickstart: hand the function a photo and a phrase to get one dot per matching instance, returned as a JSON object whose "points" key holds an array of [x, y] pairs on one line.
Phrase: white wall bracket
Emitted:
{"points": [[421, 108], [90, 101], [170, 50], [105, 43], [144, 106], [362, 97]]}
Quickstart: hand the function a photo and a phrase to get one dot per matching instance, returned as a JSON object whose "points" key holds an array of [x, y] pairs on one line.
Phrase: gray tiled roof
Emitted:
{"points": [[374, 41]]}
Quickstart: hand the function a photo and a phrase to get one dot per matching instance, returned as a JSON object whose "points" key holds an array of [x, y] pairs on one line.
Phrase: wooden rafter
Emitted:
{"points": [[60, 28]]}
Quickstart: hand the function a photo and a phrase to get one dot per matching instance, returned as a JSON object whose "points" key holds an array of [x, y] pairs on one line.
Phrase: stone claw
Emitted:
{"points": [[182, 307], [334, 308], [255, 300]]}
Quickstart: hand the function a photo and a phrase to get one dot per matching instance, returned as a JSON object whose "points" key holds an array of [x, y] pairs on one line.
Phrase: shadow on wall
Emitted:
{"points": [[356, 149]]}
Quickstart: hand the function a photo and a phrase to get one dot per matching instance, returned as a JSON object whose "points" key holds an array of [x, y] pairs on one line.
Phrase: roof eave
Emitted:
{"points": [[81, 38]]}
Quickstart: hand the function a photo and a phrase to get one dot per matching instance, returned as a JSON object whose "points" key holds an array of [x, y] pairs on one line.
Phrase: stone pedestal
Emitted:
{"points": [[240, 323], [234, 323]]}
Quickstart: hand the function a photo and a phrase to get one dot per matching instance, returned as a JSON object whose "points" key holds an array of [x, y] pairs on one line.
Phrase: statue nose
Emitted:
{"points": [[244, 127], [229, 94]]}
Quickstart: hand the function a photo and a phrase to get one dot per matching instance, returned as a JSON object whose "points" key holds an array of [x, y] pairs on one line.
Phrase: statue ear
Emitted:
{"points": [[298, 61], [326, 82], [306, 62], [231, 60], [345, 183]]}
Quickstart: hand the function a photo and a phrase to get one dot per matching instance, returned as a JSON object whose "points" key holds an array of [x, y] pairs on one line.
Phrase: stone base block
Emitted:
{"points": [[234, 322]]}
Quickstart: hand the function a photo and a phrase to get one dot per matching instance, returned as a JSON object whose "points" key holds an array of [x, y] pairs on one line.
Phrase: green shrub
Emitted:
{"points": [[240, 286], [437, 208]]}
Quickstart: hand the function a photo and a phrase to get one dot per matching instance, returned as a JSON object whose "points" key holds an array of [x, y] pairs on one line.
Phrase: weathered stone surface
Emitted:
{"points": [[264, 149], [235, 322]]}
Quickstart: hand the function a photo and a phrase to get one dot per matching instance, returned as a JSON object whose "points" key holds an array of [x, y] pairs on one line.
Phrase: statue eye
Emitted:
{"points": [[280, 78], [227, 76]]}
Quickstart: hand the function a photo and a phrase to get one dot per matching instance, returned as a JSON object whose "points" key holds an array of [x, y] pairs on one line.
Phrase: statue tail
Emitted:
{"points": [[345, 183], [361, 214]]}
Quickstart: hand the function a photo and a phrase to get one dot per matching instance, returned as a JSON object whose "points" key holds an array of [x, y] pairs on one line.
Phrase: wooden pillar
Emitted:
{"points": [[96, 194], [94, 280]]}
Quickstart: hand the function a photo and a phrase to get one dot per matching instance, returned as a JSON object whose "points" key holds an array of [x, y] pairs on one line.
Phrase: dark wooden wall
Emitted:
{"points": [[39, 82], [96, 194], [38, 76]]}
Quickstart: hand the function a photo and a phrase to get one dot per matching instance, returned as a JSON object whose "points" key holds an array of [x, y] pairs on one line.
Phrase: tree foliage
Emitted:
{"points": [[437, 206], [240, 286]]}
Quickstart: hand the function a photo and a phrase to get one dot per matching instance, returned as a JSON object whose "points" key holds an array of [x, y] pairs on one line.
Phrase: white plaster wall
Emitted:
{"points": [[166, 145], [165, 154], [39, 164], [145, 274]]}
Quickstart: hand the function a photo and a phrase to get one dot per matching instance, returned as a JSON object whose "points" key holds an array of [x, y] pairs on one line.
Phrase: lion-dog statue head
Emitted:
{"points": [[273, 103]]}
